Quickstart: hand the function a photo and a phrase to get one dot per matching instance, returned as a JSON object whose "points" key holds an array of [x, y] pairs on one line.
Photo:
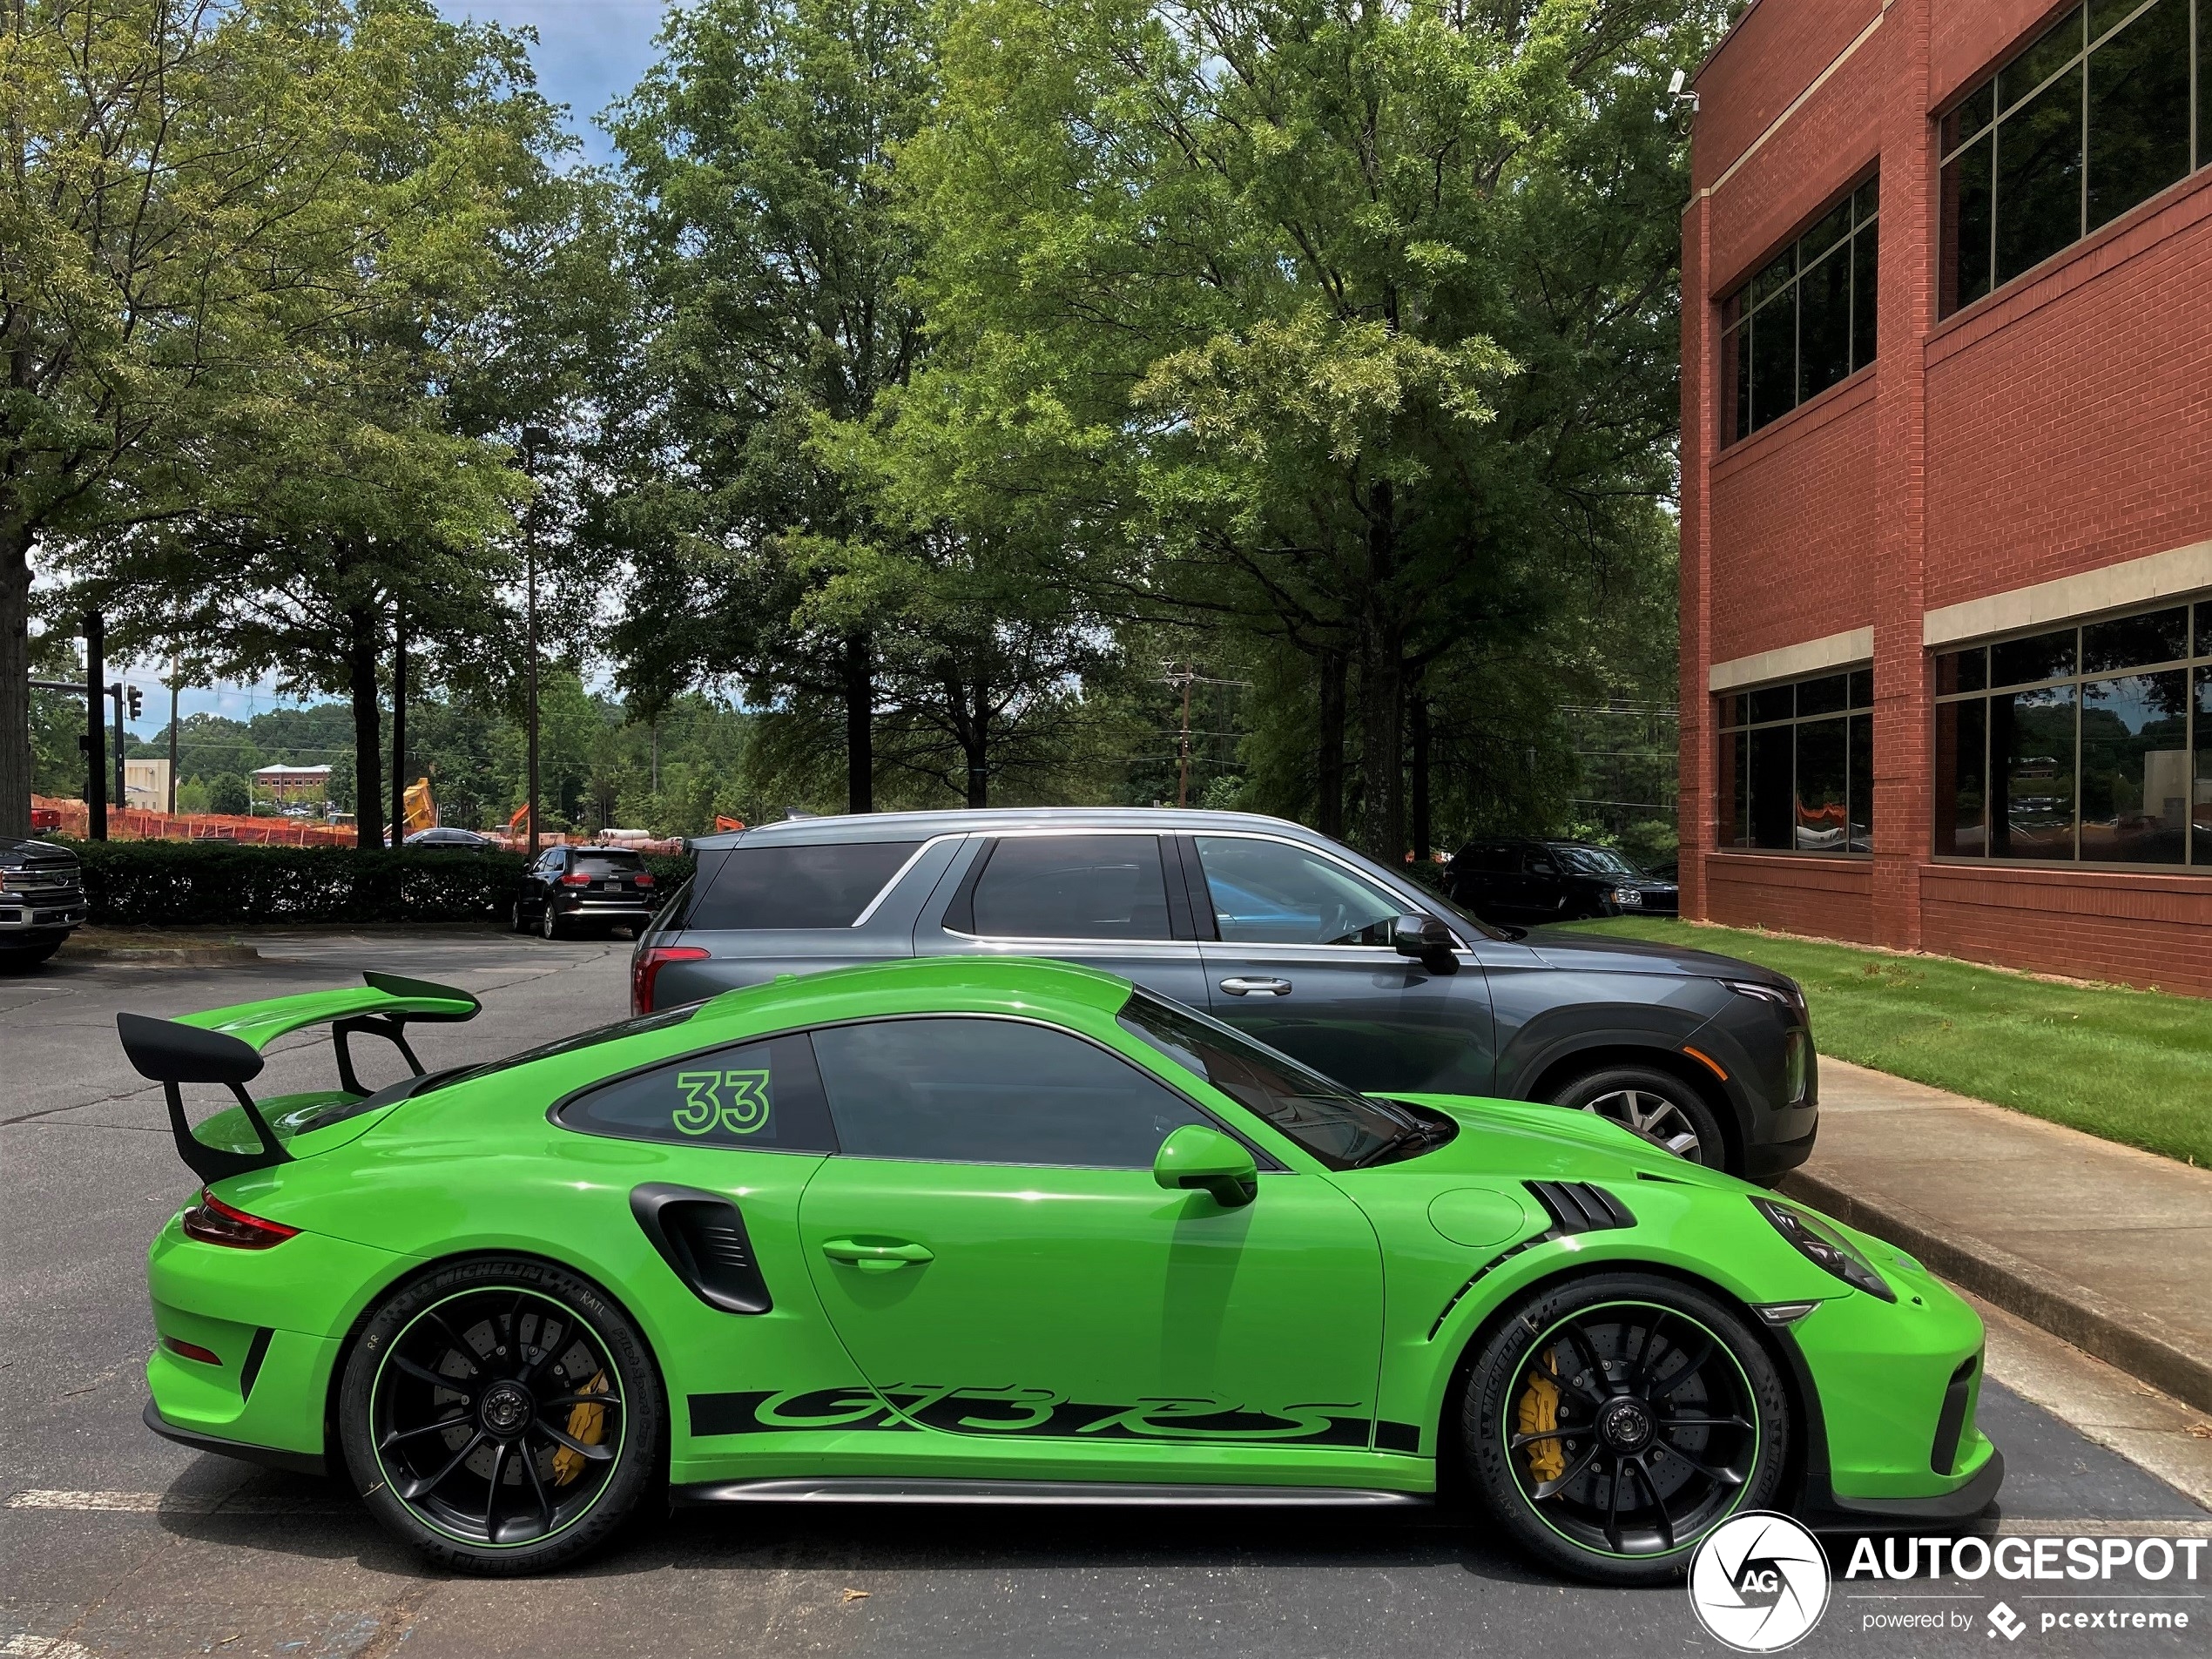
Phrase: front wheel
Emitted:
{"points": [[502, 1416], [1612, 1421], [1655, 1104]]}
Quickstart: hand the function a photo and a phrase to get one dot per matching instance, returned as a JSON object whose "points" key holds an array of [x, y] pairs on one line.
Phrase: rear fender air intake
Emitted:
{"points": [[702, 1238]]}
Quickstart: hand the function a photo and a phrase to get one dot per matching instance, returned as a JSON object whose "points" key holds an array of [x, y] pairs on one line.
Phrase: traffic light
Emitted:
{"points": [[135, 699]]}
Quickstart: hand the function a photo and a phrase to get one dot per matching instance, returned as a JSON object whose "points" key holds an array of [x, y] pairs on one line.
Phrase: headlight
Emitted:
{"points": [[1627, 897], [1786, 995], [1825, 1248]]}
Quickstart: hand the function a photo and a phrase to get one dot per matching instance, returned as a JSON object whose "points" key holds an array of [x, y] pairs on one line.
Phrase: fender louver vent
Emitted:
{"points": [[702, 1238], [1578, 1207]]}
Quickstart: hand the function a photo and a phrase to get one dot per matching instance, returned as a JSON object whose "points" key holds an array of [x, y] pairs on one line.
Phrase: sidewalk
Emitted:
{"points": [[2106, 1246]]}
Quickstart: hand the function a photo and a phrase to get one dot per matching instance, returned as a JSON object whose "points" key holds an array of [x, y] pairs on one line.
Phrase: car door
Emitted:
{"points": [[1101, 898], [991, 1246], [538, 880], [1304, 962]]}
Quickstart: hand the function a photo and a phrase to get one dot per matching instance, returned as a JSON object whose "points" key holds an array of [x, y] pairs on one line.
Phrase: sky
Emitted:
{"points": [[590, 52]]}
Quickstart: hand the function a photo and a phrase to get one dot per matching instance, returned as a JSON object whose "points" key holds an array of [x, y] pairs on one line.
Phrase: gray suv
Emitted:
{"points": [[1281, 932]]}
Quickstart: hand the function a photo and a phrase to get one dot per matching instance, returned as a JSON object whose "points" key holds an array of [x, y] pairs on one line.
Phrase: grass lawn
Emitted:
{"points": [[2130, 1066]]}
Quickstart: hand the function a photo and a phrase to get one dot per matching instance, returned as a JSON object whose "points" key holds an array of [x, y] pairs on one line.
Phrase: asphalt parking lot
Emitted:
{"points": [[115, 1542]]}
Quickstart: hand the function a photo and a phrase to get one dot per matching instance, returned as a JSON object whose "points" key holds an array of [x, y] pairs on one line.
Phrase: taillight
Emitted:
{"points": [[642, 879], [645, 967], [576, 880], [212, 1221]]}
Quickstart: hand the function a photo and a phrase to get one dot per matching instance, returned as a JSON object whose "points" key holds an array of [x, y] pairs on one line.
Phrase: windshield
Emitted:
{"points": [[1337, 1126], [1594, 860]]}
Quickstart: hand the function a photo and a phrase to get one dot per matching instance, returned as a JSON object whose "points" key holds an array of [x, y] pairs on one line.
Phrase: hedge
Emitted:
{"points": [[227, 884]]}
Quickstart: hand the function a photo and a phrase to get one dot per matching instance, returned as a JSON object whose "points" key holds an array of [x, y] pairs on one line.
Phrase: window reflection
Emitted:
{"points": [[2030, 753], [2135, 769]]}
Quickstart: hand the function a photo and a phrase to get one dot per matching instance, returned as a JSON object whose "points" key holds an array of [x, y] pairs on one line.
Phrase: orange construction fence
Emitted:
{"points": [[130, 824]]}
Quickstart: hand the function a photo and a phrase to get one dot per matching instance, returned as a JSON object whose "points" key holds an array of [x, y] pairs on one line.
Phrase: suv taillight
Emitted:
{"points": [[642, 879], [574, 879], [212, 1221], [645, 967]]}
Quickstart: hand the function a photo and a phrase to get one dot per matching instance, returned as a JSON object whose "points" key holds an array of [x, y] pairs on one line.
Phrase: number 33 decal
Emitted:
{"points": [[736, 1101]]}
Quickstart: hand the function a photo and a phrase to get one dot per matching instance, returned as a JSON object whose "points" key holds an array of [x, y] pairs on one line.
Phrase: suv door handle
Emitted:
{"points": [[1260, 987], [877, 1258]]}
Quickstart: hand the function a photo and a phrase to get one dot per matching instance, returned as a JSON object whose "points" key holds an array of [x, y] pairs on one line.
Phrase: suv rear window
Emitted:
{"points": [[609, 863], [773, 886]]}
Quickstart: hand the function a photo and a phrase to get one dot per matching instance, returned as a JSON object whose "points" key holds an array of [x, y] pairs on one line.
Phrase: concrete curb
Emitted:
{"points": [[2139, 1343]]}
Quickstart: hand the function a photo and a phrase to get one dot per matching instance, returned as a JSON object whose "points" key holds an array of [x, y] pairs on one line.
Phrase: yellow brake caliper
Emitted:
{"points": [[587, 1424], [1539, 1411]]}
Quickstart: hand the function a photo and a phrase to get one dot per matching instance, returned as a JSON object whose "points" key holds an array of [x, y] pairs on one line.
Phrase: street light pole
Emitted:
{"points": [[534, 439], [95, 726], [175, 675]]}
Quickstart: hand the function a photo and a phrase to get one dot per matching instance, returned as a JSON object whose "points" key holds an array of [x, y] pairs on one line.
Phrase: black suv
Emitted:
{"points": [[1527, 882], [42, 900], [1277, 931], [571, 885]]}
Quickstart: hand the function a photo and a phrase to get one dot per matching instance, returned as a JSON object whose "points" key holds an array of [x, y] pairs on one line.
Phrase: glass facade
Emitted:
{"points": [[1797, 766], [1805, 322], [2098, 113], [2089, 744]]}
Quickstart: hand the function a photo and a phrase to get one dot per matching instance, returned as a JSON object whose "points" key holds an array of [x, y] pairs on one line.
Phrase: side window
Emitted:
{"points": [[752, 1097], [1541, 862], [771, 885], [992, 1091], [1494, 859], [1072, 886], [1270, 893]]}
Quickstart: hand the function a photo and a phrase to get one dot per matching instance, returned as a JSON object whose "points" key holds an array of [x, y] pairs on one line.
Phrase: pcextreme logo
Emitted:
{"points": [[1759, 1582]]}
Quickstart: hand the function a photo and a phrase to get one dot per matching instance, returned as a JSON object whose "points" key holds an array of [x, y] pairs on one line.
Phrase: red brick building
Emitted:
{"points": [[1947, 481]]}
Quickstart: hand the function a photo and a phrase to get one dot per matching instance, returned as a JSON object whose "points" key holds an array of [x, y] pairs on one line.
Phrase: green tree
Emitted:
{"points": [[1342, 326], [770, 264]]}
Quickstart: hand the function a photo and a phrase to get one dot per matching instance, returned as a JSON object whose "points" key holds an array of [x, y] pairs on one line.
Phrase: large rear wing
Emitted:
{"points": [[225, 1045]]}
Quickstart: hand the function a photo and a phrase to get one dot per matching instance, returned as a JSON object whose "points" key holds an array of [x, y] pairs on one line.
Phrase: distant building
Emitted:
{"points": [[1947, 513], [293, 783], [146, 783]]}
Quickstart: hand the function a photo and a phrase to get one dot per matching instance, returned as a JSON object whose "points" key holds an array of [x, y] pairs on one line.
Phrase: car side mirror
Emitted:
{"points": [[1424, 937], [1198, 1159]]}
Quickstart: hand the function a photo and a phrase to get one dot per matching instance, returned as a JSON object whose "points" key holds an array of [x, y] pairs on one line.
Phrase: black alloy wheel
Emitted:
{"points": [[500, 1417], [1614, 1421], [1655, 1104]]}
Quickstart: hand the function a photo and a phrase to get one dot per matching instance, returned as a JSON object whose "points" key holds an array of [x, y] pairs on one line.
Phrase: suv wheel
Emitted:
{"points": [[1655, 1104], [548, 922], [1612, 1421]]}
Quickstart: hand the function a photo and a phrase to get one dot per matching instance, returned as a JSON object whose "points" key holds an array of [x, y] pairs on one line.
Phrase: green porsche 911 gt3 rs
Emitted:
{"points": [[1004, 1231]]}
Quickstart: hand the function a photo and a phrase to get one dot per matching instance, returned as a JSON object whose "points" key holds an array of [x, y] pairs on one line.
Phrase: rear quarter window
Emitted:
{"points": [[775, 887], [763, 1096]]}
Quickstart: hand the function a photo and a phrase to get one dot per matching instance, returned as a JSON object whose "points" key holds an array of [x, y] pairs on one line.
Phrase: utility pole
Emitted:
{"points": [[175, 674], [95, 726], [121, 797], [399, 723], [1182, 744], [534, 439]]}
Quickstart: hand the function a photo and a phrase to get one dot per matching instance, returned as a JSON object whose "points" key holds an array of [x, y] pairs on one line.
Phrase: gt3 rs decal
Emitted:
{"points": [[1028, 1412], [744, 1112]]}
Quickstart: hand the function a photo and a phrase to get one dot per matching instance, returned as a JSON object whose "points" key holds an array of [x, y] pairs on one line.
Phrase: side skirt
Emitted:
{"points": [[872, 1489]]}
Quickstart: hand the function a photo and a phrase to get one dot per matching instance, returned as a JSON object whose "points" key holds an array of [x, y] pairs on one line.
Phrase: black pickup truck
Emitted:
{"points": [[42, 900]]}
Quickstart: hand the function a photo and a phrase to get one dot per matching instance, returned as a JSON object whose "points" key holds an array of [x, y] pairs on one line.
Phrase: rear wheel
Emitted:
{"points": [[549, 921], [1612, 1421], [1655, 1105], [502, 1416]]}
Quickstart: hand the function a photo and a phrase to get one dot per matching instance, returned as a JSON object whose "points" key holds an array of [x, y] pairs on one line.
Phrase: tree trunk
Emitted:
{"points": [[1329, 816], [1382, 690], [399, 725], [15, 677], [860, 724], [1418, 717], [368, 737], [978, 747]]}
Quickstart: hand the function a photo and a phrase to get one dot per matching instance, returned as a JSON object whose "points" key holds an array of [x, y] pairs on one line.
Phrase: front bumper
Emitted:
{"points": [[39, 913]]}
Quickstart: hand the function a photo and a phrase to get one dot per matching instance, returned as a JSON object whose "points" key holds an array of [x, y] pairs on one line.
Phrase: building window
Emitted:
{"points": [[1805, 321], [2092, 118], [2090, 743], [1797, 766]]}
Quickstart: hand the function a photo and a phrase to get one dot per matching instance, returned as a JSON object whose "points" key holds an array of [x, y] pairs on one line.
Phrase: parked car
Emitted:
{"points": [[1282, 933], [1523, 882], [443, 839], [570, 886], [46, 818], [42, 900]]}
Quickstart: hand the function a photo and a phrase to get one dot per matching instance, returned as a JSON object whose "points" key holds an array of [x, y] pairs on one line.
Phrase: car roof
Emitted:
{"points": [[920, 826], [925, 984]]}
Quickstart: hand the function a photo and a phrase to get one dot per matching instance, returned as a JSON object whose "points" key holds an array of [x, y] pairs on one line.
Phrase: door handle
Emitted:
{"points": [[1256, 986], [876, 1259]]}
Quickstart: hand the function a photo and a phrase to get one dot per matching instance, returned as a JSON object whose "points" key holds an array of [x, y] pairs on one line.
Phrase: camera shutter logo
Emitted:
{"points": [[1759, 1582]]}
